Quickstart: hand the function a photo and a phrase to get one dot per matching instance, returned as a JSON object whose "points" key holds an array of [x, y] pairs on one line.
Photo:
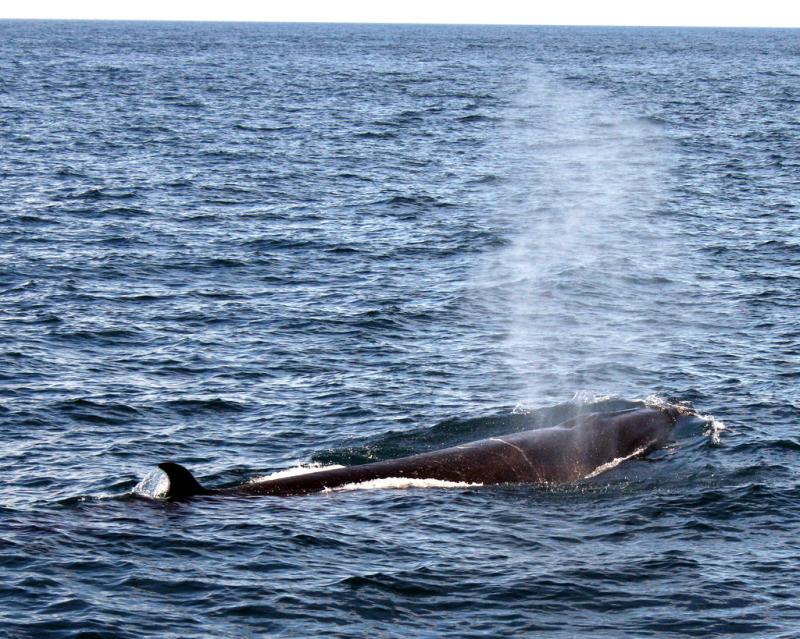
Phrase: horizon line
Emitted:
{"points": [[398, 23]]}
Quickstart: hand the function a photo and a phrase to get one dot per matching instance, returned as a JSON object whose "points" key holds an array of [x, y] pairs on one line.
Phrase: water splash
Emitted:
{"points": [[522, 408], [153, 485], [713, 429], [657, 401], [589, 398]]}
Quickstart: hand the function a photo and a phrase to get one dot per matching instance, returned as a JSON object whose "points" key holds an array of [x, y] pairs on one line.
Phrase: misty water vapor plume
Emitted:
{"points": [[587, 242]]}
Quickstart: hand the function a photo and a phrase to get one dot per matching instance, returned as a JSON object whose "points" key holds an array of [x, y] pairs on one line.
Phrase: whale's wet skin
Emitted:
{"points": [[572, 450], [258, 248]]}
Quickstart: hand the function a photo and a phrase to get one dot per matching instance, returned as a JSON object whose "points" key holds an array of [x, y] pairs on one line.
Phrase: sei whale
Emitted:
{"points": [[573, 450]]}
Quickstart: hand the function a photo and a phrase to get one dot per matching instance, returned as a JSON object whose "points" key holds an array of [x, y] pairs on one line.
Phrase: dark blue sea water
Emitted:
{"points": [[249, 247]]}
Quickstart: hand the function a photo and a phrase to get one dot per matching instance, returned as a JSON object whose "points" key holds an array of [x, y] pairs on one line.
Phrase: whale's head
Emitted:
{"points": [[642, 429]]}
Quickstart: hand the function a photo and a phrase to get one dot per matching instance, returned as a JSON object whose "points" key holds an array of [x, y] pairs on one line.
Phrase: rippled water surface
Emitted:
{"points": [[250, 247]]}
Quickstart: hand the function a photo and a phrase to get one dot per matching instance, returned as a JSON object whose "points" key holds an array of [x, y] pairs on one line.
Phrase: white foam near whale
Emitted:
{"points": [[386, 483], [615, 462], [402, 483], [302, 469]]}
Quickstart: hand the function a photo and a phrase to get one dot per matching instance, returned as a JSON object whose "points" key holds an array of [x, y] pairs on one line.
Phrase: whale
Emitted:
{"points": [[570, 451]]}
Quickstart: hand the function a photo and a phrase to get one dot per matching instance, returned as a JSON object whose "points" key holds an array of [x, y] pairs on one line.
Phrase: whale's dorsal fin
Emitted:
{"points": [[182, 483]]}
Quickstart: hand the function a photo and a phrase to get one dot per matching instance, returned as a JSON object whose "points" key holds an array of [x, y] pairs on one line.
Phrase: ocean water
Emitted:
{"points": [[251, 247]]}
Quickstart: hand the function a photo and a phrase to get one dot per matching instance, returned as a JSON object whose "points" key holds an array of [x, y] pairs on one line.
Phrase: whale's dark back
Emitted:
{"points": [[564, 453]]}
